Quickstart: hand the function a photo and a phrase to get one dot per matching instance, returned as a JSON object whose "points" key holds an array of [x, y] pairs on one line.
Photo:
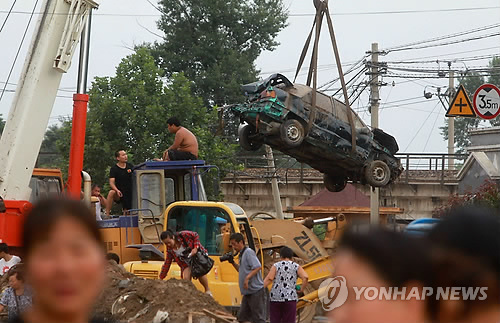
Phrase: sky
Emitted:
{"points": [[119, 25]]}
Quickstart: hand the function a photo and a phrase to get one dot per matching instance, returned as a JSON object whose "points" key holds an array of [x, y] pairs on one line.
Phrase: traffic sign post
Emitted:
{"points": [[487, 101], [460, 105]]}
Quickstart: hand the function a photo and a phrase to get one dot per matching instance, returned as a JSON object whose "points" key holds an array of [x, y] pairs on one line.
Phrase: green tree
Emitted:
{"points": [[129, 111], [50, 156], [215, 43], [462, 125]]}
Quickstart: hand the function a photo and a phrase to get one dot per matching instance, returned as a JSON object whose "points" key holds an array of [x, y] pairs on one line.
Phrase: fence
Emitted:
{"points": [[430, 166]]}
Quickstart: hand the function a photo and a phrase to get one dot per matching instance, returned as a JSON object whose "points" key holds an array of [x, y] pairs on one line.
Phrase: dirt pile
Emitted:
{"points": [[128, 298]]}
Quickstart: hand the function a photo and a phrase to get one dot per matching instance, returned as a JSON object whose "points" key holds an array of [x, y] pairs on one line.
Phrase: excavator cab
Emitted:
{"points": [[155, 186]]}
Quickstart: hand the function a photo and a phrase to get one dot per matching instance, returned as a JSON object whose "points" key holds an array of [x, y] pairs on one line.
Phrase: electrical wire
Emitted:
{"points": [[461, 59], [394, 12], [8, 15], [454, 53], [430, 133], [462, 33], [299, 14], [18, 50], [418, 131], [446, 43]]}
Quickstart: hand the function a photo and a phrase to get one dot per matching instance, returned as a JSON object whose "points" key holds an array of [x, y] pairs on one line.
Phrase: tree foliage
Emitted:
{"points": [[494, 78], [215, 43], [487, 195], [49, 151], [129, 111]]}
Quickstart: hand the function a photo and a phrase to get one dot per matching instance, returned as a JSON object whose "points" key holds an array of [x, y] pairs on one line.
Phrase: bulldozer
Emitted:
{"points": [[215, 222]]}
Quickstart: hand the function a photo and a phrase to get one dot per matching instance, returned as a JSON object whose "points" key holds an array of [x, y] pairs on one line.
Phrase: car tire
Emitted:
{"points": [[377, 173], [292, 133], [334, 183], [244, 134]]}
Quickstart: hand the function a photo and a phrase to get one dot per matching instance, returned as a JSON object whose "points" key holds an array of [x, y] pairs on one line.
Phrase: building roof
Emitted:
{"points": [[350, 196]]}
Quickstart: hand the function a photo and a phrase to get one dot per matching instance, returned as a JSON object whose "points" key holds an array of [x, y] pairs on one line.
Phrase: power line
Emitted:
{"points": [[462, 33], [446, 43], [462, 52], [58, 96], [460, 59], [430, 133], [18, 50], [8, 15], [394, 12], [423, 123], [291, 14], [59, 89]]}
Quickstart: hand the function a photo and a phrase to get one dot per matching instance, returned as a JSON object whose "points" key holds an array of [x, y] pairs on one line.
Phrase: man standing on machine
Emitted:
{"points": [[120, 180]]}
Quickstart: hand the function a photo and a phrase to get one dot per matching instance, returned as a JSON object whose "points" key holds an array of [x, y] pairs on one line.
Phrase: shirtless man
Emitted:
{"points": [[185, 146]]}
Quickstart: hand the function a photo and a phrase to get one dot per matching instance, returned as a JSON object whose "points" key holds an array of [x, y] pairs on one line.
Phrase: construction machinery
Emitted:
{"points": [[215, 222], [155, 185], [56, 36]]}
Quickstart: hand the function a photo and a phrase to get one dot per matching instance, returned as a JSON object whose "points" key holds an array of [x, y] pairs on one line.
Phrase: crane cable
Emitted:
{"points": [[8, 14]]}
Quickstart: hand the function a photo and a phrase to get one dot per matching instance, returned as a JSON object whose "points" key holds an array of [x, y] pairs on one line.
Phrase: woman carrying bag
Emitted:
{"points": [[185, 249]]}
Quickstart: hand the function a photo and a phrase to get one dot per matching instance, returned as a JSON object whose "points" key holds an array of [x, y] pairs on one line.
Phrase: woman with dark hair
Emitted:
{"points": [[16, 298], [283, 275], [374, 261], [64, 261], [180, 247], [466, 256]]}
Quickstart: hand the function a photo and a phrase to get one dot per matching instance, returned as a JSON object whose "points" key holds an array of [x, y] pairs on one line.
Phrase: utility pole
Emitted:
{"points": [[274, 183], [374, 105], [451, 120]]}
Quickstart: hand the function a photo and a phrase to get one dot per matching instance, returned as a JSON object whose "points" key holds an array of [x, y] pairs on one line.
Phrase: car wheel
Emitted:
{"points": [[334, 183], [377, 173], [244, 134], [292, 133]]}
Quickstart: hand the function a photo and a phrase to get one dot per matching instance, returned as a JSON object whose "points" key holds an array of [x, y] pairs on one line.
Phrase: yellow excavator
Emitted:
{"points": [[214, 222]]}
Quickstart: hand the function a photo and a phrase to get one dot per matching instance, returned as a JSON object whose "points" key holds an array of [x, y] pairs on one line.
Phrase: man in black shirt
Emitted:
{"points": [[120, 180]]}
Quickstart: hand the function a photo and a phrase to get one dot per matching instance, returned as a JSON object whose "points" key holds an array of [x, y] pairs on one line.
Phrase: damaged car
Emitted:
{"points": [[277, 113]]}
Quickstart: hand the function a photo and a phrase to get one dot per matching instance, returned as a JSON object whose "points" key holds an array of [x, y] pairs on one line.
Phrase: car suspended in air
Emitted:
{"points": [[277, 114]]}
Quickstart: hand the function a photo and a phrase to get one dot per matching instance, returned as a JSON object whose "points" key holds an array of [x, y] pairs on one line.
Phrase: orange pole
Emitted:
{"points": [[77, 145]]}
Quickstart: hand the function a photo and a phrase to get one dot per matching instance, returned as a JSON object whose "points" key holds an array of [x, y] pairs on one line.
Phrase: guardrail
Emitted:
{"points": [[436, 166]]}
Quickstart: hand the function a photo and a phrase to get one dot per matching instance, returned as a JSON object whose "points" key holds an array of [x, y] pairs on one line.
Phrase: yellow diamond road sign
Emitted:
{"points": [[461, 105]]}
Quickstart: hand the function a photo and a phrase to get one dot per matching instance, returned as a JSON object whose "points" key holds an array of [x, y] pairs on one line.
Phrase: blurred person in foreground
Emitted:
{"points": [[17, 297], [381, 259], [283, 275], [64, 262], [466, 256]]}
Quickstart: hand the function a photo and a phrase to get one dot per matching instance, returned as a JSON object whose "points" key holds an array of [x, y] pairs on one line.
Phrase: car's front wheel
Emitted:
{"points": [[245, 134], [334, 183], [292, 133], [377, 173]]}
